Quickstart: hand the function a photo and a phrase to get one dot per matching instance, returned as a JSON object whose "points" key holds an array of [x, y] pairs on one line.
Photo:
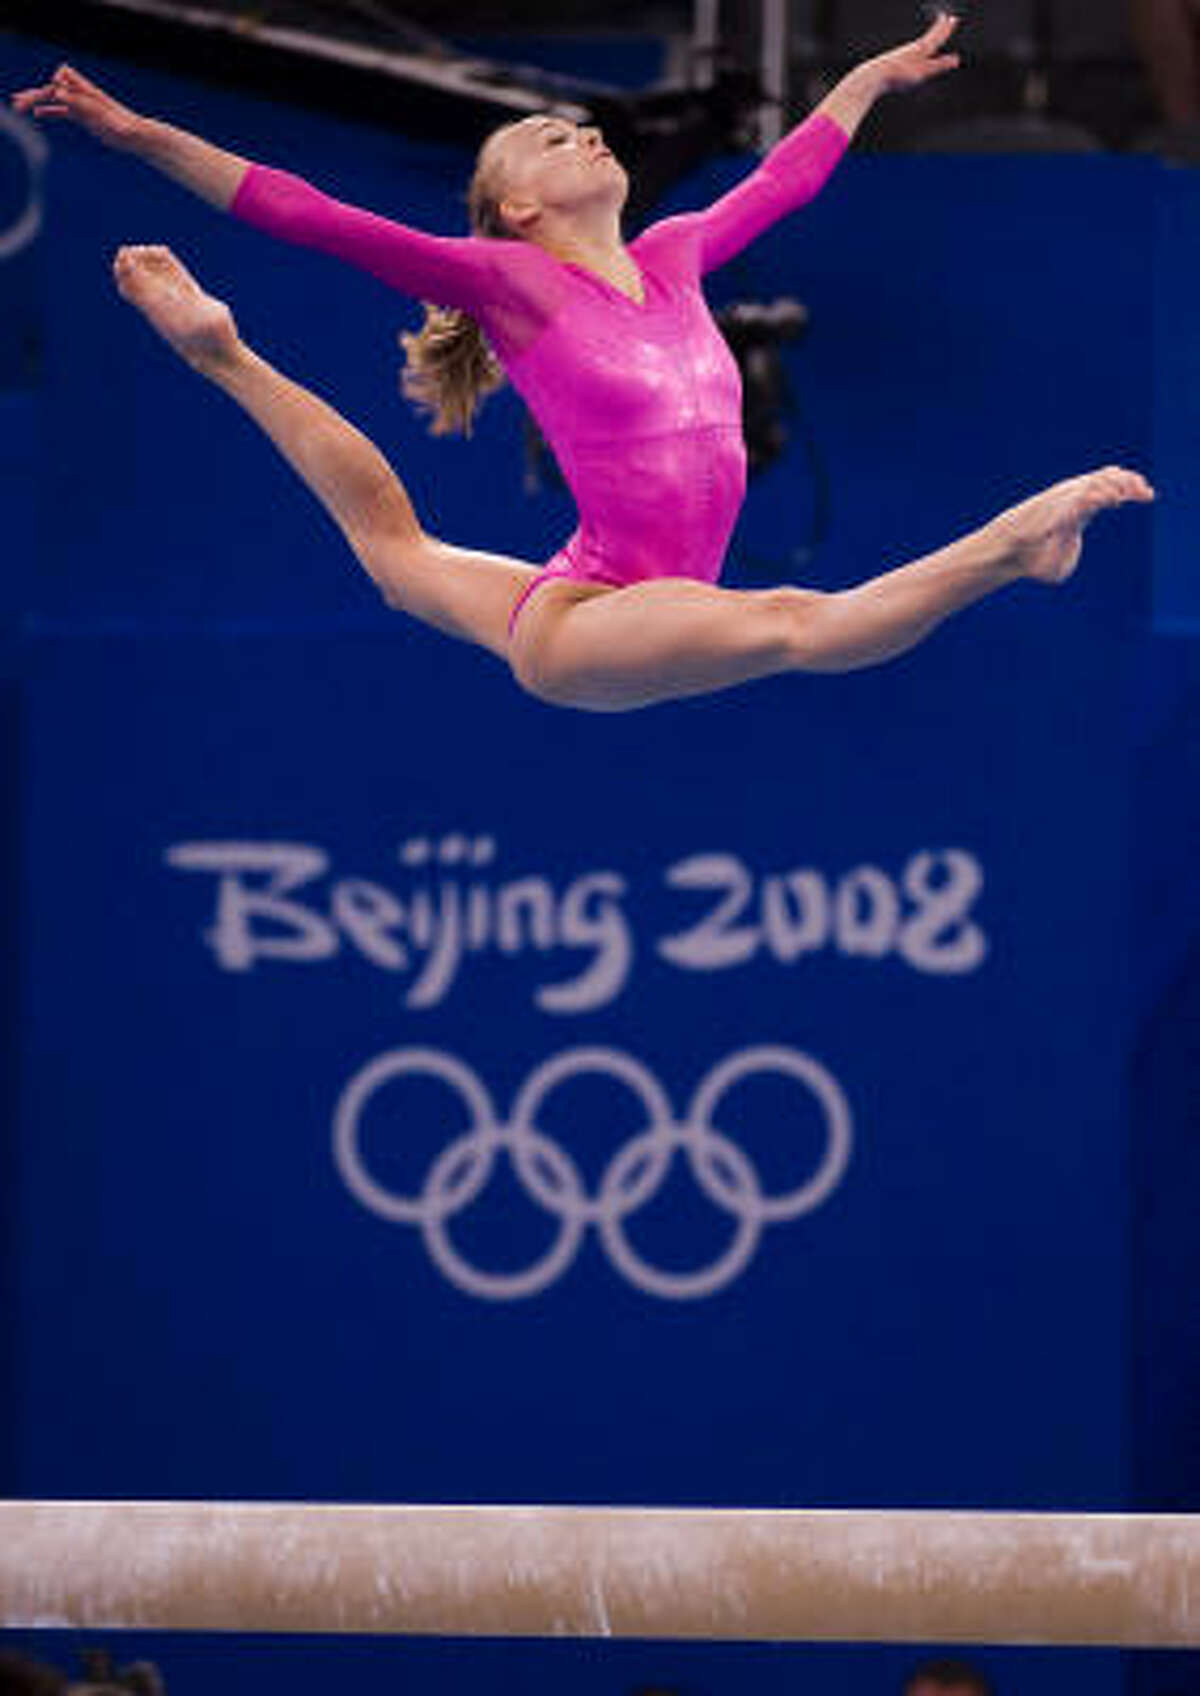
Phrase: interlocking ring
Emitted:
{"points": [[31, 145], [633, 1177]]}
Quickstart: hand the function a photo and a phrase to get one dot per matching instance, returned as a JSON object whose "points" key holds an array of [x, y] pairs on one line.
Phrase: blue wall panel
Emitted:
{"points": [[971, 1156], [1177, 402]]}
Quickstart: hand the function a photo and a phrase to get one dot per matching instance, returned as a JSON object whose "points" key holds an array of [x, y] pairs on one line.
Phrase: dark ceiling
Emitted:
{"points": [[390, 17], [310, 48], [313, 49], [468, 15]]}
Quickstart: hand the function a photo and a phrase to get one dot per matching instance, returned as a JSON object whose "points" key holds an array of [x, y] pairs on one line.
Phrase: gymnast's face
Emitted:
{"points": [[546, 164]]}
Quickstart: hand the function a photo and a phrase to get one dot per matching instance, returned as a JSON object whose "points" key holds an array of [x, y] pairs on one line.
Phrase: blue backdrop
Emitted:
{"points": [[430, 1095]]}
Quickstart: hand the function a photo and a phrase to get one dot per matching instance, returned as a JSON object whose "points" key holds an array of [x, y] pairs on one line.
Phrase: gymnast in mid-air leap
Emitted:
{"points": [[615, 352]]}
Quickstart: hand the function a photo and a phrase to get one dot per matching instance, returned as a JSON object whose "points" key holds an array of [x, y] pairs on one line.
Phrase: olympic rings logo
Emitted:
{"points": [[24, 229], [550, 1177]]}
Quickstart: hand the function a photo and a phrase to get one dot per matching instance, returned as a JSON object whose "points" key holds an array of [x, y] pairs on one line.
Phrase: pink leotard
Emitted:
{"points": [[641, 402]]}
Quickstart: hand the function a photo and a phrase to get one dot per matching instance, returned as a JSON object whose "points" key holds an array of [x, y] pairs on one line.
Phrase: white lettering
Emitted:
{"points": [[368, 915], [867, 913], [862, 913], [441, 934], [591, 917], [943, 907], [796, 915], [716, 942], [525, 916], [298, 934], [270, 905]]}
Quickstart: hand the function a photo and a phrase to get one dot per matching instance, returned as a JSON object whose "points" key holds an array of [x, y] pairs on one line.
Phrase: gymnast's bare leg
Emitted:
{"points": [[461, 592], [673, 637], [582, 644]]}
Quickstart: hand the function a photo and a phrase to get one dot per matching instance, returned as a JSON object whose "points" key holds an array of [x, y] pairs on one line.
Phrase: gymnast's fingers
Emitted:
{"points": [[36, 101], [942, 28]]}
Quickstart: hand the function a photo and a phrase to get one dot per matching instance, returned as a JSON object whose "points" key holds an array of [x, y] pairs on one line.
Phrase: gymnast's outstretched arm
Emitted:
{"points": [[797, 168], [454, 271], [207, 171]]}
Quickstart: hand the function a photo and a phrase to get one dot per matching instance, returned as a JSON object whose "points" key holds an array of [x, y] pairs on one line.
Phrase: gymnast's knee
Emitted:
{"points": [[396, 557], [539, 667], [792, 619]]}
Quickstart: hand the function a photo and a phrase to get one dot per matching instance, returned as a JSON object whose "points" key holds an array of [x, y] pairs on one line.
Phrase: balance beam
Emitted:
{"points": [[1114, 1580]]}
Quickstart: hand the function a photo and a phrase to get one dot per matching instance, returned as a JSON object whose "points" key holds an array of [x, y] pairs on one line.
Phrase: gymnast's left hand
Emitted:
{"points": [[918, 61]]}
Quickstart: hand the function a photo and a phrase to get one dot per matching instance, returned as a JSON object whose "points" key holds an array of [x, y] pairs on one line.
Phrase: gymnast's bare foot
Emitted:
{"points": [[199, 328], [1044, 536]]}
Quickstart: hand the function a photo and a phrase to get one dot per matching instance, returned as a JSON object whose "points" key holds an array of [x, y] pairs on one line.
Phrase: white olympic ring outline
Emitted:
{"points": [[634, 1175], [31, 145]]}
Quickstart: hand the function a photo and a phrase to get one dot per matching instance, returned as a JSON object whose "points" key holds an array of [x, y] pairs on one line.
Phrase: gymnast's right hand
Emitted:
{"points": [[70, 95]]}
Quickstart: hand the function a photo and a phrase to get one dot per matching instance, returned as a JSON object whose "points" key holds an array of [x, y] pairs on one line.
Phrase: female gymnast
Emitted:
{"points": [[614, 350]]}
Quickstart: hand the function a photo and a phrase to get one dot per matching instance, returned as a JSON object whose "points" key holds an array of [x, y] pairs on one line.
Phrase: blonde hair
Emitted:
{"points": [[449, 368]]}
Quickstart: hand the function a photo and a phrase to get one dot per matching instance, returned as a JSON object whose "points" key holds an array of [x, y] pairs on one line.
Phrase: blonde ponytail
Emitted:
{"points": [[449, 368]]}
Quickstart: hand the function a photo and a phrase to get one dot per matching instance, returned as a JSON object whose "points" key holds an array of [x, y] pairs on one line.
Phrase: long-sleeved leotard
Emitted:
{"points": [[641, 402]]}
